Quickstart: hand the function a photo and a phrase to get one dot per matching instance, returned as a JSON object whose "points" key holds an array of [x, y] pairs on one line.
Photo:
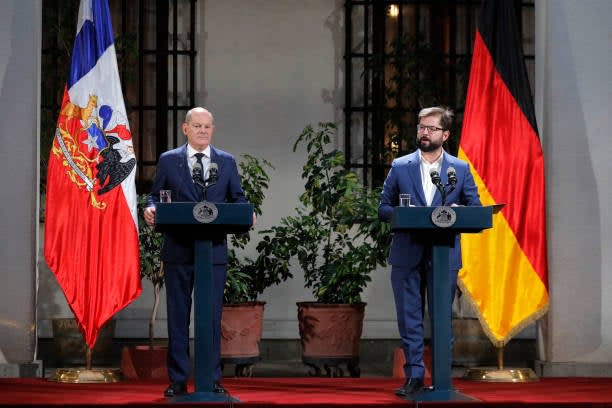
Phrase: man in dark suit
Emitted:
{"points": [[174, 173], [410, 255]]}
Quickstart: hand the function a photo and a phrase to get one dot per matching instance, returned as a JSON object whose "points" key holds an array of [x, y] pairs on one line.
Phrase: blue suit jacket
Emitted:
{"points": [[405, 177], [173, 174]]}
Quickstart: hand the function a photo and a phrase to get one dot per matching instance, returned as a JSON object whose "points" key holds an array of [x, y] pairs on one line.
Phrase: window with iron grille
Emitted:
{"points": [[156, 55], [401, 56]]}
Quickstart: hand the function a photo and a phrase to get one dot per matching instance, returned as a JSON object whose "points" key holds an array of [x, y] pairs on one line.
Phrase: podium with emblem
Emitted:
{"points": [[201, 221], [442, 224]]}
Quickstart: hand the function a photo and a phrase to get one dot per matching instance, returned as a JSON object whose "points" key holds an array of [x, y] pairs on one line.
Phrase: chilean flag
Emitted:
{"points": [[91, 228], [504, 268]]}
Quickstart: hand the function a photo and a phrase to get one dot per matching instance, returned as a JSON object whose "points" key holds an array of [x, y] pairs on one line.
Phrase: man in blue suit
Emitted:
{"points": [[410, 255], [174, 173]]}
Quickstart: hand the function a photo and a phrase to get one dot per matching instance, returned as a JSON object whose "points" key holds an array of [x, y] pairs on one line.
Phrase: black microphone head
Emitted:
{"points": [[435, 176], [213, 171], [451, 173], [196, 174]]}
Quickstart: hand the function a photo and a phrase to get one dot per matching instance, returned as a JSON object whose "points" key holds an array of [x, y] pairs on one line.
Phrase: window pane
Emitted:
{"points": [[175, 128], [183, 85], [182, 13], [148, 149], [358, 33], [358, 86], [528, 30], [148, 32], [148, 172], [149, 80], [357, 130], [409, 21]]}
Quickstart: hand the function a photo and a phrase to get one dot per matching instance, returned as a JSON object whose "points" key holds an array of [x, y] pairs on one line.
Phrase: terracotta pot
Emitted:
{"points": [[330, 330], [144, 362], [241, 329]]}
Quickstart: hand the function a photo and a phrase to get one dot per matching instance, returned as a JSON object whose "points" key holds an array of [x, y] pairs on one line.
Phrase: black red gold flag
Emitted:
{"points": [[505, 268]]}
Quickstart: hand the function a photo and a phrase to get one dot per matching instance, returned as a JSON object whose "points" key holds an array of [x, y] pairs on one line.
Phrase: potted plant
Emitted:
{"points": [[242, 319], [148, 361], [337, 239]]}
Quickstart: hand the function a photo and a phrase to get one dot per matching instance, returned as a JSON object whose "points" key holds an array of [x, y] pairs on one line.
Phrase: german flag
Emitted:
{"points": [[504, 268]]}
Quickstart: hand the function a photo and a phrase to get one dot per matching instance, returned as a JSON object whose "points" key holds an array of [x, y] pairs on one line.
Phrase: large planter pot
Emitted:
{"points": [[330, 335], [144, 362], [241, 330], [70, 347]]}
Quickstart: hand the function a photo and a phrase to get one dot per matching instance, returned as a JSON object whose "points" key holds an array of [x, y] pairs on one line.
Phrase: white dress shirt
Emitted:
{"points": [[428, 187], [191, 159]]}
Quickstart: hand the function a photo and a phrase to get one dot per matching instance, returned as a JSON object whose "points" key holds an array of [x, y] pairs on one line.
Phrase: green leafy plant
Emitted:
{"points": [[335, 235], [245, 279], [151, 266]]}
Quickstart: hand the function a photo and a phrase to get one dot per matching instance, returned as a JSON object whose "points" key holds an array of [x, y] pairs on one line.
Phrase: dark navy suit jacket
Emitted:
{"points": [[173, 174], [405, 177]]}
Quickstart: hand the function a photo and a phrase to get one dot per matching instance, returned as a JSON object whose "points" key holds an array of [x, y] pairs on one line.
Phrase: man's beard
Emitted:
{"points": [[430, 147]]}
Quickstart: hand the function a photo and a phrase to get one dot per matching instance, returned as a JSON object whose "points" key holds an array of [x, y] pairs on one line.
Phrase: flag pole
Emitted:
{"points": [[91, 191], [87, 374]]}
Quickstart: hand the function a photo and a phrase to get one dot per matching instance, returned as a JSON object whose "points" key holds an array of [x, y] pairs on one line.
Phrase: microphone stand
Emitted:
{"points": [[442, 191], [205, 185], [446, 193]]}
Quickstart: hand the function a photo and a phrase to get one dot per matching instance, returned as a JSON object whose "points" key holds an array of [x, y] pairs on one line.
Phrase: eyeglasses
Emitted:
{"points": [[430, 129]]}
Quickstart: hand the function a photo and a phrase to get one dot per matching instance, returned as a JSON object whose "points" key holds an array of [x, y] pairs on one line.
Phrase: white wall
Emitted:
{"points": [[574, 84], [19, 123], [269, 68]]}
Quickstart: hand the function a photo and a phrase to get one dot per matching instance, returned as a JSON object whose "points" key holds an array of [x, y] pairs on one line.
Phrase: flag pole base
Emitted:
{"points": [[84, 375], [494, 374]]}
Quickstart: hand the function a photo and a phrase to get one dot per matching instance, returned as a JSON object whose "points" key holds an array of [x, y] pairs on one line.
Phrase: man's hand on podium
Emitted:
{"points": [[149, 215]]}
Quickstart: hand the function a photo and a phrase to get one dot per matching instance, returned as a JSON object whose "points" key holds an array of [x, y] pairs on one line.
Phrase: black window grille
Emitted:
{"points": [[156, 53], [401, 56]]}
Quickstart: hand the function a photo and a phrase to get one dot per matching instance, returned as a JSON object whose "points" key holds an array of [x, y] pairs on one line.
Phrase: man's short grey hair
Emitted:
{"points": [[445, 113], [197, 109]]}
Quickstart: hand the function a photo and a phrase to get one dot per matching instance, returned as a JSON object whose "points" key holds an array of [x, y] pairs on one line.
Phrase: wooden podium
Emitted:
{"points": [[202, 221], [442, 224]]}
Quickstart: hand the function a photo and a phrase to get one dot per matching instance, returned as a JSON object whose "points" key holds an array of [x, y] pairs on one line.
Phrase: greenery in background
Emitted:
{"points": [[151, 266], [411, 75], [410, 82], [245, 281], [335, 235]]}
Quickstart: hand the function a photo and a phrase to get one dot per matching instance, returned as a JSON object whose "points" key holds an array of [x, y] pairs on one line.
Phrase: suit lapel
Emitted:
{"points": [[185, 174], [414, 171], [215, 158]]}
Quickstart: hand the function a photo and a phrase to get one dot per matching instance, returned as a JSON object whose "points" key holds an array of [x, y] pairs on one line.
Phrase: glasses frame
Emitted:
{"points": [[430, 129]]}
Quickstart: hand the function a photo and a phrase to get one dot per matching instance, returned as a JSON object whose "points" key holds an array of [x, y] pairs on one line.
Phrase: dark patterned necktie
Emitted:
{"points": [[199, 157]]}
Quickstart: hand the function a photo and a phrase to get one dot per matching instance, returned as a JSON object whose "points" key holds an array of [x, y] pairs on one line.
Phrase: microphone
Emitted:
{"points": [[213, 173], [196, 174], [437, 181], [451, 174], [435, 178]]}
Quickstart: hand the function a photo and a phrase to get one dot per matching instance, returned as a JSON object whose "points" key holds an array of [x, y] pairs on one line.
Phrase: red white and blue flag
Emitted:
{"points": [[91, 228]]}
